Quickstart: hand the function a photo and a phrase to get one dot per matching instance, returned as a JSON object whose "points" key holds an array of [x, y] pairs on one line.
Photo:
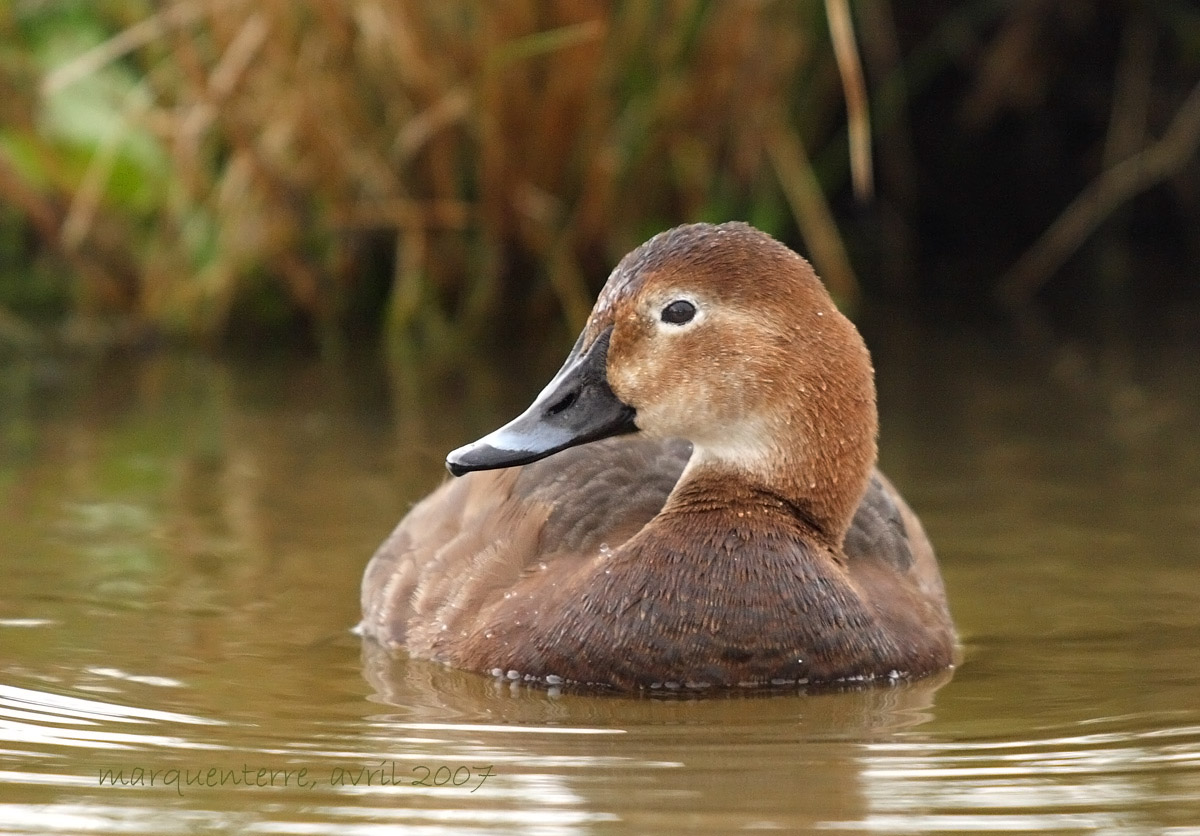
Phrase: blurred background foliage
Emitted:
{"points": [[201, 169]]}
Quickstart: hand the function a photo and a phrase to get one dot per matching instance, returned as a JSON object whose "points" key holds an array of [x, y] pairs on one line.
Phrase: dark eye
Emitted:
{"points": [[678, 312]]}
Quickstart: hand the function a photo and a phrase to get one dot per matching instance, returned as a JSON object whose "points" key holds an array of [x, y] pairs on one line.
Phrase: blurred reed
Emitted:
{"points": [[449, 161]]}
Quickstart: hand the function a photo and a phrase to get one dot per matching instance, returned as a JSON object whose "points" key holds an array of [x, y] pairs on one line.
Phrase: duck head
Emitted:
{"points": [[722, 336]]}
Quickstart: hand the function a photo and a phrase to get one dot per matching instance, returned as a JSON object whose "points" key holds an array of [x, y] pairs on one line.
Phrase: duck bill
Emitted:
{"points": [[576, 407]]}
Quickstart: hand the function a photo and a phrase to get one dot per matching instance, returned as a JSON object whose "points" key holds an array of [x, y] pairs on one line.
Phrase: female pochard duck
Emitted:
{"points": [[709, 515]]}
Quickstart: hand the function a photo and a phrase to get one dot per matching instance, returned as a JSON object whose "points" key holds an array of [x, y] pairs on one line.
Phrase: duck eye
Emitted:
{"points": [[678, 312]]}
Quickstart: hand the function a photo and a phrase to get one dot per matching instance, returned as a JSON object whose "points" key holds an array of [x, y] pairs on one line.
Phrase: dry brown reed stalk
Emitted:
{"points": [[513, 151], [812, 212], [1115, 186], [845, 47]]}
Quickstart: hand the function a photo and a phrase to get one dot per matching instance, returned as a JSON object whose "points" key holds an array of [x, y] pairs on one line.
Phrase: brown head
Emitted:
{"points": [[725, 337]]}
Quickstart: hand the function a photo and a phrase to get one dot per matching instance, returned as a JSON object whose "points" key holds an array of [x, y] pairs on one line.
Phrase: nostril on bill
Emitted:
{"points": [[563, 403]]}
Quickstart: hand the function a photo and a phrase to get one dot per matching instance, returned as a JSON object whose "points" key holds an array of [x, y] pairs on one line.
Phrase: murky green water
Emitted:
{"points": [[181, 541]]}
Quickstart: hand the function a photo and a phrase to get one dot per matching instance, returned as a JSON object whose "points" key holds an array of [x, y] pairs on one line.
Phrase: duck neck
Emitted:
{"points": [[816, 475], [712, 491]]}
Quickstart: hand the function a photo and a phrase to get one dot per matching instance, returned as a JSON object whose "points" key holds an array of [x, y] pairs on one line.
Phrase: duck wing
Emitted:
{"points": [[474, 537], [887, 541]]}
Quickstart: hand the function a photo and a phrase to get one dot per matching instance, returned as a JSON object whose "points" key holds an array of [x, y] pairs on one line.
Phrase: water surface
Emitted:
{"points": [[181, 541]]}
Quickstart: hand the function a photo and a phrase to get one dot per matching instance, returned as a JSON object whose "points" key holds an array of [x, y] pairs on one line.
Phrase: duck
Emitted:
{"points": [[691, 503]]}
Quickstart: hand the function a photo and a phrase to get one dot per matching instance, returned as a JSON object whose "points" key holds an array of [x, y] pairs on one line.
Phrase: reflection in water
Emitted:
{"points": [[181, 542], [418, 692], [658, 764], [534, 762]]}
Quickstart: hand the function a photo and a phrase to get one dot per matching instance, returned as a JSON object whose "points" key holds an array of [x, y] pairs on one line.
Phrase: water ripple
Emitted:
{"points": [[1094, 782], [57, 706]]}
